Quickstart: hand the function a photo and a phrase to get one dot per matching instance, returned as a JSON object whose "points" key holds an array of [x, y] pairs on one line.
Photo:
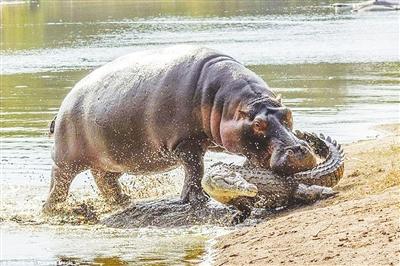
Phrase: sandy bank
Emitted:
{"points": [[359, 226]]}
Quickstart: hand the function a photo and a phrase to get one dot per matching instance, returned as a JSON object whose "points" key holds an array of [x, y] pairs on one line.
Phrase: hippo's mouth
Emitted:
{"points": [[286, 158], [312, 157]]}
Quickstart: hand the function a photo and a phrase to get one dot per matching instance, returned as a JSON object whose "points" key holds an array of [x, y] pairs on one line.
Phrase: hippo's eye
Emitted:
{"points": [[259, 126]]}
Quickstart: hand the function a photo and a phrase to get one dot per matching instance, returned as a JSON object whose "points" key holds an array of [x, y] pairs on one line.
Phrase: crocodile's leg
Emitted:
{"points": [[243, 204], [309, 194]]}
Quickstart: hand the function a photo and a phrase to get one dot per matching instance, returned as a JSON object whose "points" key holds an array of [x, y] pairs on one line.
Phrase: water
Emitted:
{"points": [[339, 73]]}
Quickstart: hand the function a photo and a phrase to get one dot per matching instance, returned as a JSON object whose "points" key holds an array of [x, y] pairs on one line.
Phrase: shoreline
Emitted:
{"points": [[360, 225]]}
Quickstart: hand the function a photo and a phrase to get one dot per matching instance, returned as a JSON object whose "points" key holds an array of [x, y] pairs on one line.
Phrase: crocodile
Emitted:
{"points": [[246, 187]]}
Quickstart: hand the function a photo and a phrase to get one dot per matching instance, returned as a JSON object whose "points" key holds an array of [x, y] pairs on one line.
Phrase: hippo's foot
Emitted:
{"points": [[195, 199], [49, 209], [122, 200], [198, 199], [53, 206], [53, 209], [82, 213]]}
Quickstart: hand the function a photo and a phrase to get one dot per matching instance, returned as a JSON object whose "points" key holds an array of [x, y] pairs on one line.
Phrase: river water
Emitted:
{"points": [[338, 72]]}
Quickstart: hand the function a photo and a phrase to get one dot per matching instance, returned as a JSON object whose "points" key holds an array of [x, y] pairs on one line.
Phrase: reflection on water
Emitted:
{"points": [[30, 100], [100, 261], [338, 72], [66, 244]]}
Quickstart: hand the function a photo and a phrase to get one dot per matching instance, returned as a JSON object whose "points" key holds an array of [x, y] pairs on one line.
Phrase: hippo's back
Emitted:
{"points": [[141, 74]]}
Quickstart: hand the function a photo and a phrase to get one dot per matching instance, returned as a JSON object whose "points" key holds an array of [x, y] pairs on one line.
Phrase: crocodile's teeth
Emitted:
{"points": [[329, 139]]}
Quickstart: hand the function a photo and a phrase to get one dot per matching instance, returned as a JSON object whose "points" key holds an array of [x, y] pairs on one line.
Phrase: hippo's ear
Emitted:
{"points": [[259, 125]]}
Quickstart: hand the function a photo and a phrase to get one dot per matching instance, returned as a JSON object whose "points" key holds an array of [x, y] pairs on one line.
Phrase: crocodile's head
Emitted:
{"points": [[225, 186]]}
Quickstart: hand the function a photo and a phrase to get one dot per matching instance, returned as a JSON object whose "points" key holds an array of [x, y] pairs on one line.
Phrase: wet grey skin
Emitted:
{"points": [[246, 187], [152, 111]]}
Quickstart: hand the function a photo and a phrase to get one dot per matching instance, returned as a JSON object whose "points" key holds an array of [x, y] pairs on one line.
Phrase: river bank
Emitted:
{"points": [[359, 226]]}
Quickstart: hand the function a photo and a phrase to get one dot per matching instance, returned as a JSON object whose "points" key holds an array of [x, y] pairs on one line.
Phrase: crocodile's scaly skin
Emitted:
{"points": [[232, 184]]}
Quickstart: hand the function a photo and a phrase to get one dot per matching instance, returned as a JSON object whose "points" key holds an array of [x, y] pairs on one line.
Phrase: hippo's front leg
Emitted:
{"points": [[191, 155]]}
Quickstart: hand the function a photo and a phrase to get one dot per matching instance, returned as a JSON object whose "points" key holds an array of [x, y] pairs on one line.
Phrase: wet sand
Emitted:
{"points": [[359, 226]]}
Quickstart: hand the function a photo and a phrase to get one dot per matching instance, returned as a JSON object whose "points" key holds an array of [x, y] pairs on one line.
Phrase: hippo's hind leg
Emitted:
{"points": [[191, 156], [61, 179], [109, 186]]}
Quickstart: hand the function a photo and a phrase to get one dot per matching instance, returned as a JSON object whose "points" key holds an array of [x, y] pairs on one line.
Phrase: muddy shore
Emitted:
{"points": [[361, 225]]}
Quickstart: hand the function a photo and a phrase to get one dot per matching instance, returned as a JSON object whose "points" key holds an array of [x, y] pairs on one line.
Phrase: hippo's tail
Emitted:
{"points": [[52, 125]]}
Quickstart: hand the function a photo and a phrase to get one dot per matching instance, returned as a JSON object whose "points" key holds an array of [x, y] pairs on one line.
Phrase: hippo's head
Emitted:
{"points": [[263, 133]]}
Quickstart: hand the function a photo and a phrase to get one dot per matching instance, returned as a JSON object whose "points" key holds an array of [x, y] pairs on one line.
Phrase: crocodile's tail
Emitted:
{"points": [[330, 171], [52, 125]]}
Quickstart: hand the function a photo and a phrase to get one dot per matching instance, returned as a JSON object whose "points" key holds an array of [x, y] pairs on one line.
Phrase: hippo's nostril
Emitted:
{"points": [[303, 149]]}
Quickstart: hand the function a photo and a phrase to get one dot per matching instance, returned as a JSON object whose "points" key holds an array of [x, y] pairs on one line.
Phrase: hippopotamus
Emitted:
{"points": [[152, 111]]}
